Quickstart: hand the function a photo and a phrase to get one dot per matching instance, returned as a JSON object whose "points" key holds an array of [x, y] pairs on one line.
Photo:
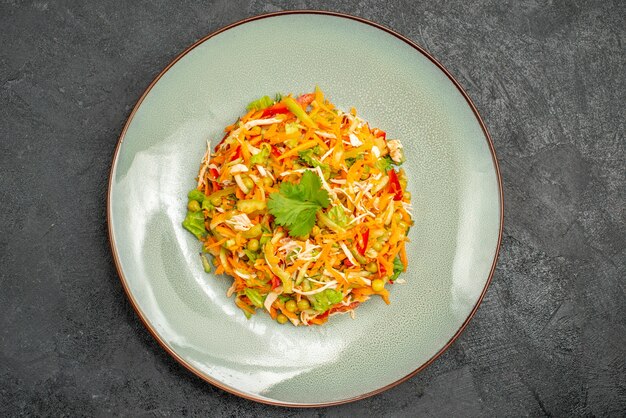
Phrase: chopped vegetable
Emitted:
{"points": [[398, 267], [297, 110], [394, 185], [324, 300], [384, 164], [262, 156], [338, 216], [194, 223], [205, 263], [261, 103], [196, 195], [254, 296]]}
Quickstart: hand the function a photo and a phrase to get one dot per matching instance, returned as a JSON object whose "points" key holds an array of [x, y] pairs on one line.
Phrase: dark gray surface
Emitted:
{"points": [[549, 81]]}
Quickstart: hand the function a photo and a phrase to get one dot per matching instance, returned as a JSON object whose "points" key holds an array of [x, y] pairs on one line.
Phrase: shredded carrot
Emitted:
{"points": [[403, 257]]}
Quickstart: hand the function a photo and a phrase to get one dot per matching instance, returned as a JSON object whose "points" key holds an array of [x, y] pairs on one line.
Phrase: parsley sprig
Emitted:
{"points": [[295, 205]]}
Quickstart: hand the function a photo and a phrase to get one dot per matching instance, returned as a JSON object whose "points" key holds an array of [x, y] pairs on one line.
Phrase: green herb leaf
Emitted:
{"points": [[295, 206], [307, 158]]}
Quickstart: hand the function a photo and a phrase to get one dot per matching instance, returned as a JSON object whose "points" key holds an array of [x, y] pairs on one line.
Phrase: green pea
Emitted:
{"points": [[253, 244], [303, 304], [281, 319], [316, 230], [230, 243], [291, 305], [378, 285], [216, 201], [372, 267], [267, 182], [193, 206], [248, 183], [377, 246]]}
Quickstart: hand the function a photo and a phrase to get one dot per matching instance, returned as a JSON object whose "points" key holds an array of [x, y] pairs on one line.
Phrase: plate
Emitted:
{"points": [[453, 177]]}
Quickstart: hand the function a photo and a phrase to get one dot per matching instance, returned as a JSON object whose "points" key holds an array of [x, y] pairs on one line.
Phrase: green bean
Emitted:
{"points": [[193, 206]]}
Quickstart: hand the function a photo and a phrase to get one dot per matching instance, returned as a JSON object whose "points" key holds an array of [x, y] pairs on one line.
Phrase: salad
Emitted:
{"points": [[305, 207]]}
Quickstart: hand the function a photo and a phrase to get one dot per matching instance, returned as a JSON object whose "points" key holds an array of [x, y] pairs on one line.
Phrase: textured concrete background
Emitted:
{"points": [[549, 80]]}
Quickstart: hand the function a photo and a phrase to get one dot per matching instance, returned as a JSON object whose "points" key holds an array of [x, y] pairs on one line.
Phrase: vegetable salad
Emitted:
{"points": [[305, 206]]}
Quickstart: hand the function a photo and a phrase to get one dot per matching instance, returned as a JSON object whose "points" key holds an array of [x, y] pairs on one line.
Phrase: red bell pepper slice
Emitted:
{"points": [[275, 282], [343, 308], [347, 263], [278, 108], [382, 272], [362, 246], [275, 152], [394, 185], [305, 99], [380, 134]]}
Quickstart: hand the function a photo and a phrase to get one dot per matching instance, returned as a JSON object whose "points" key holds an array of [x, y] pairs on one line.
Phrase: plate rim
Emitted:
{"points": [[124, 282]]}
